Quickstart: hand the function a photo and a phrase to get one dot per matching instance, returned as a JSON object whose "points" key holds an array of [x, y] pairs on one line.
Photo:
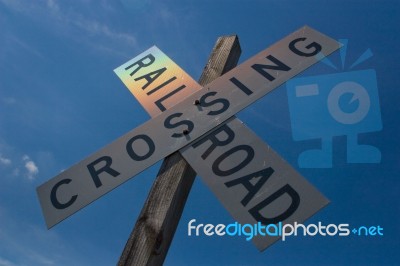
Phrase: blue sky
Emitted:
{"points": [[60, 101]]}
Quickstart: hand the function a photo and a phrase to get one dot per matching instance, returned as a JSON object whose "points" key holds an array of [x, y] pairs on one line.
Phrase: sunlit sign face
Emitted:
{"points": [[156, 81]]}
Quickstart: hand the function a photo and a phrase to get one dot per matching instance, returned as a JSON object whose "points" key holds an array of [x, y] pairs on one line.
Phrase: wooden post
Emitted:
{"points": [[149, 241]]}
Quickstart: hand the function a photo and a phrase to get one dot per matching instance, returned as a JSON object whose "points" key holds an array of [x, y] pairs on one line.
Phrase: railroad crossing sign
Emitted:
{"points": [[247, 176]]}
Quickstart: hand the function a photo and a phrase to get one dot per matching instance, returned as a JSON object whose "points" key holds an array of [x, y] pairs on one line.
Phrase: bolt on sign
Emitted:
{"points": [[250, 179]]}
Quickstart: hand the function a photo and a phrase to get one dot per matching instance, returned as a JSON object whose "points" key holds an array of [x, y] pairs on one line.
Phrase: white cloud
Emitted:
{"points": [[5, 262], [18, 165], [4, 160], [32, 169], [66, 21], [30, 166]]}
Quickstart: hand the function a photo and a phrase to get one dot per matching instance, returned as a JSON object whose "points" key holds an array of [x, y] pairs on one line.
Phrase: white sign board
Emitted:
{"points": [[180, 125], [251, 180], [249, 174]]}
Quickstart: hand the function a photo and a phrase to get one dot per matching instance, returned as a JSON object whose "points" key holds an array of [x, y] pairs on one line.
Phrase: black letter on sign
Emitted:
{"points": [[224, 102], [167, 124], [250, 155], [215, 142], [255, 211], [141, 63], [161, 86], [278, 66], [106, 168], [149, 76], [317, 48], [53, 196], [133, 154], [246, 182], [159, 101], [241, 86]]}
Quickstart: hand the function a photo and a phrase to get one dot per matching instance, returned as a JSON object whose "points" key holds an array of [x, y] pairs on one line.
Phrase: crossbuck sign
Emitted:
{"points": [[250, 179]]}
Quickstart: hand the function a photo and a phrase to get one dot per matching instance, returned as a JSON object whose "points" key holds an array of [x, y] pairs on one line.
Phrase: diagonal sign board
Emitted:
{"points": [[254, 173], [252, 181], [180, 125]]}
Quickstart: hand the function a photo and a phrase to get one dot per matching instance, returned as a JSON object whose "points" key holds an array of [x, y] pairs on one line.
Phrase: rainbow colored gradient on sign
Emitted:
{"points": [[180, 87]]}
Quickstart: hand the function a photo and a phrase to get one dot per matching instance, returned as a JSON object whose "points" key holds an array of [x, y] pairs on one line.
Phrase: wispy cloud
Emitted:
{"points": [[67, 21], [14, 40], [16, 172], [27, 244], [4, 160], [5, 262], [30, 166], [22, 242], [24, 167], [9, 100], [96, 28]]}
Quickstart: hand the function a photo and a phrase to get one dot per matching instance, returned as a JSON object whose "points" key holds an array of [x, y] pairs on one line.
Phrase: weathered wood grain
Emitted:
{"points": [[150, 240]]}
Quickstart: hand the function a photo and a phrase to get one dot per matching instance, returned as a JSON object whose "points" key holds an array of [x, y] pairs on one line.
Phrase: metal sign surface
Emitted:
{"points": [[180, 125], [251, 180], [156, 81], [251, 173]]}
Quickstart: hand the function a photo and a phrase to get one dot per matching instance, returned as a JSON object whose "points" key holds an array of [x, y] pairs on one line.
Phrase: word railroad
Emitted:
{"points": [[250, 179]]}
